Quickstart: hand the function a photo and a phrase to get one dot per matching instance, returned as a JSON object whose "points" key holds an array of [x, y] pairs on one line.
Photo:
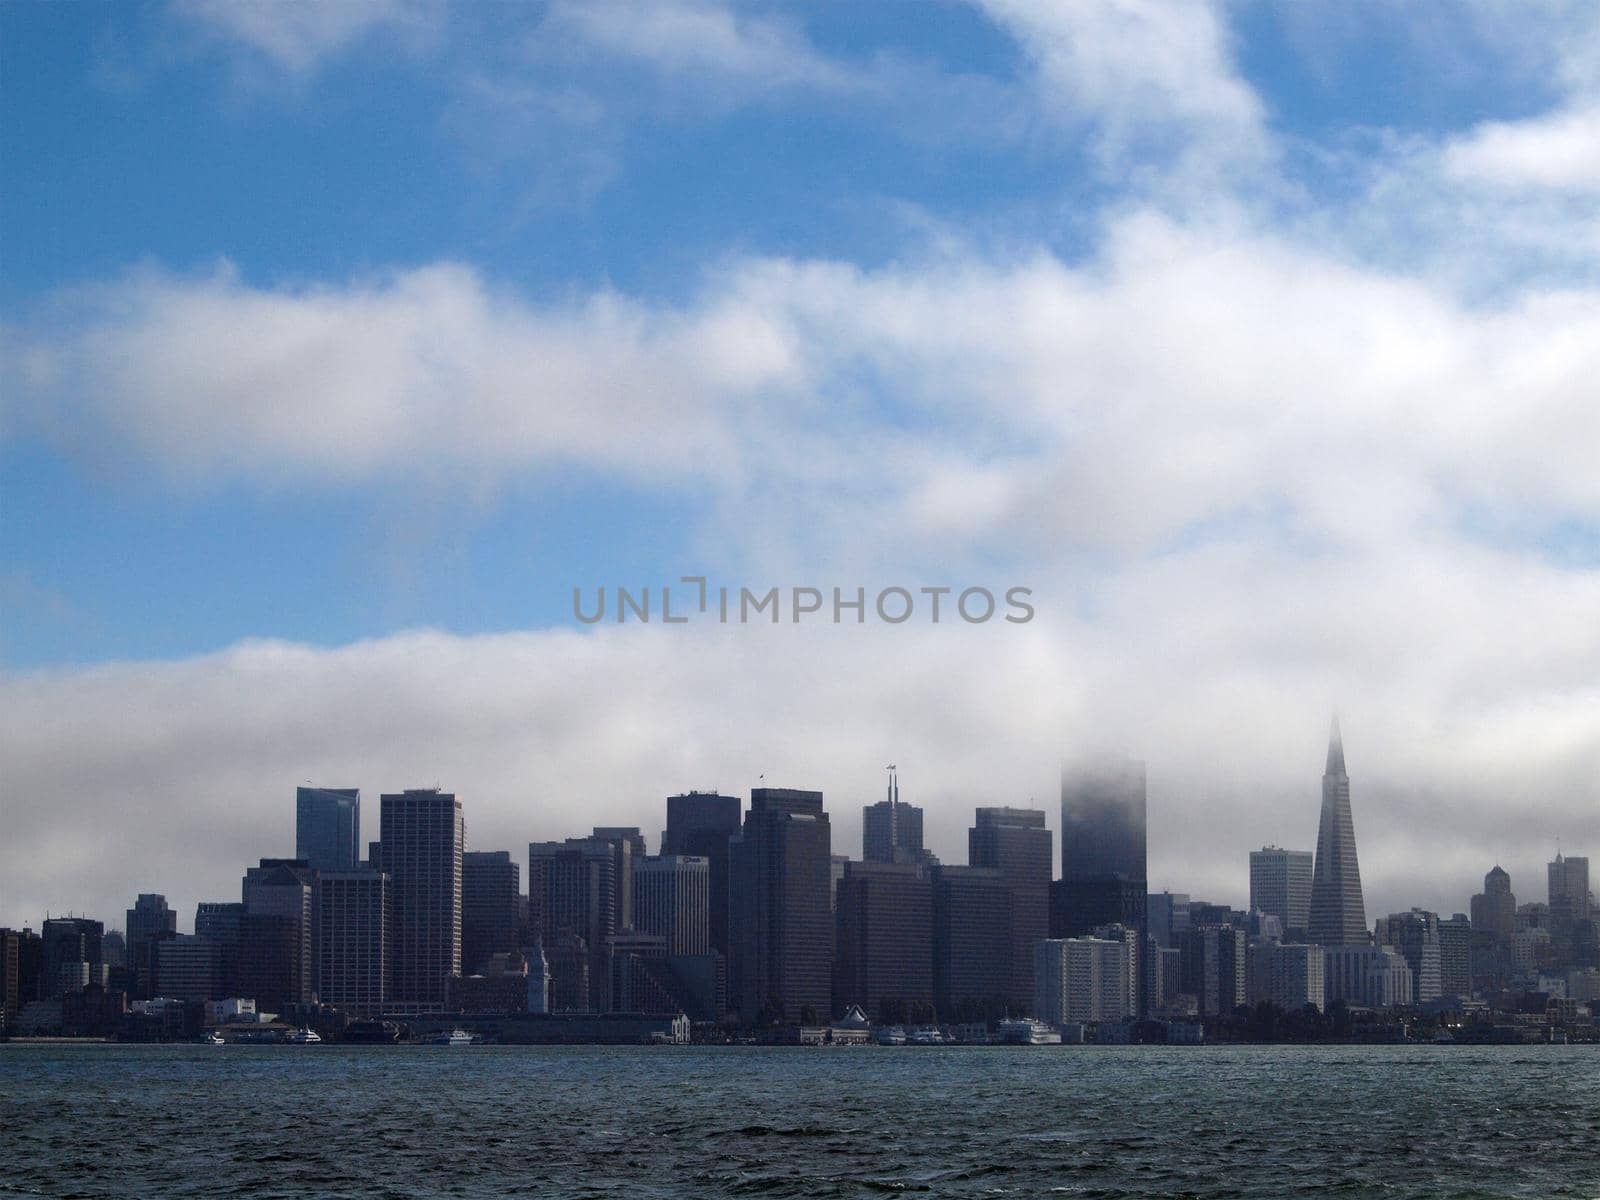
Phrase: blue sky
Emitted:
{"points": [[326, 324]]}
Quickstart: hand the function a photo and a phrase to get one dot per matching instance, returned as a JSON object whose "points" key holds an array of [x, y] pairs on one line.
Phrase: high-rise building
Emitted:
{"points": [[891, 830], [972, 944], [1167, 916], [21, 959], [278, 888], [1214, 968], [422, 834], [1494, 910], [1132, 943], [354, 941], [1569, 890], [491, 889], [327, 827], [1081, 979], [672, 900], [1015, 842], [578, 882], [148, 919], [1416, 935], [884, 951], [1280, 885], [1103, 819], [700, 824], [627, 848], [185, 967], [1455, 956], [1338, 916], [218, 921], [780, 919], [1368, 976], [67, 943], [1288, 974]]}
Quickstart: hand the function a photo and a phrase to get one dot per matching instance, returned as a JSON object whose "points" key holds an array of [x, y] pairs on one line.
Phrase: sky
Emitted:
{"points": [[341, 343]]}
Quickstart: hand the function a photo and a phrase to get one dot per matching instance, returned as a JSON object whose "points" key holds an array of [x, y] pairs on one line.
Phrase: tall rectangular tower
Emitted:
{"points": [[327, 827], [780, 918], [700, 824], [672, 900], [491, 887], [885, 940], [353, 941], [422, 832], [1280, 884], [1015, 842], [578, 906]]}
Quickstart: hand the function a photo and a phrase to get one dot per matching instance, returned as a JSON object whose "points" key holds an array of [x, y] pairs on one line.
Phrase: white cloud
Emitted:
{"points": [[1559, 151], [300, 37]]}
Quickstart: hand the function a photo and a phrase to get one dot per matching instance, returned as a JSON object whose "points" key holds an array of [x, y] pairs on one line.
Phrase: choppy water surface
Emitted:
{"points": [[244, 1121]]}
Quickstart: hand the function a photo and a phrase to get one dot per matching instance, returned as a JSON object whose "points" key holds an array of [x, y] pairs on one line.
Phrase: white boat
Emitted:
{"points": [[926, 1036], [303, 1037], [889, 1035], [1026, 1031], [214, 1039], [456, 1037]]}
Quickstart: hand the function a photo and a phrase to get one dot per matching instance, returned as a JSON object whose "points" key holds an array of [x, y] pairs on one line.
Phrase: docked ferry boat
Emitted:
{"points": [[1028, 1031]]}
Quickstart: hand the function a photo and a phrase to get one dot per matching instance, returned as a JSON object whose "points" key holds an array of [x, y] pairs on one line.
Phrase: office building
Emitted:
{"points": [[884, 944], [148, 919], [1415, 935], [422, 837], [21, 965], [1368, 976], [1455, 956], [1338, 915], [1288, 974], [1569, 890], [1280, 885], [1132, 943], [1081, 980], [972, 944], [699, 824], [891, 830], [672, 900], [354, 941], [1213, 967], [185, 967], [279, 888], [627, 848], [218, 922], [579, 885], [491, 891], [67, 943], [1015, 842], [327, 828], [1494, 910], [1166, 916], [781, 928]]}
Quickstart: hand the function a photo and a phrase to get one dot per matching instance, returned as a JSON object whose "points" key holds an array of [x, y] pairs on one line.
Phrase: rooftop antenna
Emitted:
{"points": [[894, 786]]}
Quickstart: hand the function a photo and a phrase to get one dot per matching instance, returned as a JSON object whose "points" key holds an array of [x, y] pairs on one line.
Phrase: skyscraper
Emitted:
{"points": [[421, 831], [972, 944], [355, 968], [1494, 910], [1015, 842], [891, 830], [1569, 889], [1102, 848], [1280, 885], [781, 930], [1455, 956], [884, 919], [149, 918], [327, 827], [578, 884], [700, 824], [1081, 979], [1338, 915], [491, 886], [1415, 935], [672, 900], [277, 964], [1214, 968], [627, 848]]}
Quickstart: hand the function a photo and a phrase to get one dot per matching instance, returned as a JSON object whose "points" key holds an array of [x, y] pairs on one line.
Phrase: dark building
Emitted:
{"points": [[218, 921], [1213, 967], [884, 947], [327, 827], [148, 919], [21, 963], [700, 824], [891, 831], [1103, 805], [273, 964], [281, 888], [354, 939], [780, 919], [422, 835], [491, 892], [185, 967], [972, 943], [1015, 842], [567, 955], [627, 848], [577, 883], [70, 942]]}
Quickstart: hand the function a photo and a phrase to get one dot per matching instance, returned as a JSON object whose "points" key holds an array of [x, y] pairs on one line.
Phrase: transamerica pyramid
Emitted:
{"points": [[1338, 916]]}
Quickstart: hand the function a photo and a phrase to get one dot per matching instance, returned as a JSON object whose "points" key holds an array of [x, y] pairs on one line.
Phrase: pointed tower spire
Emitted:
{"points": [[1335, 749]]}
